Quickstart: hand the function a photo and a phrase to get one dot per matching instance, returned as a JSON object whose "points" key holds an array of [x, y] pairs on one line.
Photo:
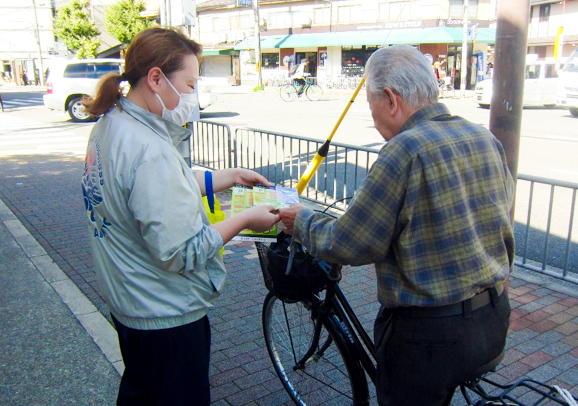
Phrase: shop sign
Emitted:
{"points": [[450, 22], [393, 25], [244, 3]]}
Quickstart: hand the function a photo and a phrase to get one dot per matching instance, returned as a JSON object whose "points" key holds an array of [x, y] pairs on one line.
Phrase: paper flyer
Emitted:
{"points": [[244, 197]]}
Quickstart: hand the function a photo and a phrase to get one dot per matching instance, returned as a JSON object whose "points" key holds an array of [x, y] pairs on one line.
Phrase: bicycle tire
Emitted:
{"points": [[314, 92], [288, 93], [331, 378]]}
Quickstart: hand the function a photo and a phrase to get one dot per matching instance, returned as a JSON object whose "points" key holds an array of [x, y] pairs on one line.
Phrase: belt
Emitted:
{"points": [[478, 301]]}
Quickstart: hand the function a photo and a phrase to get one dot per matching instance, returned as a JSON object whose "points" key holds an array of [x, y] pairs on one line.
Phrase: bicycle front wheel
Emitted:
{"points": [[449, 92], [288, 93], [314, 92], [330, 376]]}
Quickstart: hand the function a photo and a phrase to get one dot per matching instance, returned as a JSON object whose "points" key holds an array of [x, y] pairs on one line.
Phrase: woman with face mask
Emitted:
{"points": [[156, 257]]}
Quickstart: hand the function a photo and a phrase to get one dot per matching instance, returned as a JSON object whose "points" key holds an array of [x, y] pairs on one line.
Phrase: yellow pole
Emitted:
{"points": [[322, 153]]}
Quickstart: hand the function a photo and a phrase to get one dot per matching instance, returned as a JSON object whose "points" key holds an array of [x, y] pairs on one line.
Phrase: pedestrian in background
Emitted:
{"points": [[156, 256], [433, 215]]}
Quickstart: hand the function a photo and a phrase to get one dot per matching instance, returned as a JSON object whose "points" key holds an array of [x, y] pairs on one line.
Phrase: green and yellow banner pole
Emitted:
{"points": [[322, 152]]}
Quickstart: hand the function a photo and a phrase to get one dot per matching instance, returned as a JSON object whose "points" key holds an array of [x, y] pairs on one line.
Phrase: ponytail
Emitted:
{"points": [[107, 95]]}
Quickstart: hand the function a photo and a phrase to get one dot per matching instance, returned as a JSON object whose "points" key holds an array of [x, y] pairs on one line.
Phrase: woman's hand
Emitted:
{"points": [[226, 178], [258, 218], [261, 218], [288, 217], [249, 178]]}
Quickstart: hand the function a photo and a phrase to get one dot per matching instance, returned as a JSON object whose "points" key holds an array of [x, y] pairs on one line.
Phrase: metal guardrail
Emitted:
{"points": [[537, 247], [282, 158], [211, 145]]}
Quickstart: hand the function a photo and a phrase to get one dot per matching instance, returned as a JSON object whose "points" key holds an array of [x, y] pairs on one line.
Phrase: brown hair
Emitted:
{"points": [[153, 47]]}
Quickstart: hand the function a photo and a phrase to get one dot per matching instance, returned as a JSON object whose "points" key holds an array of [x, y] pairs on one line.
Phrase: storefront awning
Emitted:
{"points": [[267, 41], [213, 52], [431, 35]]}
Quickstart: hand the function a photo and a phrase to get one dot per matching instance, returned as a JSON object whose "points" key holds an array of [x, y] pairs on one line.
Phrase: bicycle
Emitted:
{"points": [[323, 355], [313, 92], [445, 88]]}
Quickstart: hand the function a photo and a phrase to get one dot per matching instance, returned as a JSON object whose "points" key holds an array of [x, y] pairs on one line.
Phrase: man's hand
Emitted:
{"points": [[288, 217]]}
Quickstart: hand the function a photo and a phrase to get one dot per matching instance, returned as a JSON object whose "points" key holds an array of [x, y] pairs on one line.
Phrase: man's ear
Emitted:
{"points": [[393, 99]]}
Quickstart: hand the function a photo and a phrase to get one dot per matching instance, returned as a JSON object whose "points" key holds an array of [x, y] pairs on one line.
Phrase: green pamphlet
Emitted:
{"points": [[244, 197]]}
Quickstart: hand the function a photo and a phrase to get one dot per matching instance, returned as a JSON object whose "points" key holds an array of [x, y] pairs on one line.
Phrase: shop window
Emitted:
{"points": [[400, 10], [353, 61], [220, 24], [270, 61], [544, 12], [321, 15], [301, 18], [348, 14], [456, 9], [288, 19], [281, 19], [247, 21]]}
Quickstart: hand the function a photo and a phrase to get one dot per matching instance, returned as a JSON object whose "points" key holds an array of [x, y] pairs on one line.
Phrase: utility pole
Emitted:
{"points": [[464, 65], [162, 13], [508, 77], [36, 31], [257, 44]]}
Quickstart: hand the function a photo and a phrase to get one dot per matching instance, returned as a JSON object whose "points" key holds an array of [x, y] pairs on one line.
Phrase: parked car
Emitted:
{"points": [[539, 86], [70, 81]]}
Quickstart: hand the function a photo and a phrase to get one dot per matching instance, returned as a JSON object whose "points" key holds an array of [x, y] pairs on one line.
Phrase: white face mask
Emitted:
{"points": [[182, 113]]}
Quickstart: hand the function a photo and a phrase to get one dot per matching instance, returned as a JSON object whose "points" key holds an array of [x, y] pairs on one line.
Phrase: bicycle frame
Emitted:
{"points": [[336, 302]]}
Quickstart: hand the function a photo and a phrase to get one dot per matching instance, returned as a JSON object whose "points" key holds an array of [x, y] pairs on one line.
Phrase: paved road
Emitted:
{"points": [[41, 159]]}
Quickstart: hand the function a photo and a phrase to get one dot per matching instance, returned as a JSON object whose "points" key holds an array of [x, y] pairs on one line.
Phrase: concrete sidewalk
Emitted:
{"points": [[49, 356], [58, 349]]}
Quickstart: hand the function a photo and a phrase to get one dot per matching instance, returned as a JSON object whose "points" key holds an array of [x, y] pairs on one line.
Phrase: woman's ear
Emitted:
{"points": [[154, 79]]}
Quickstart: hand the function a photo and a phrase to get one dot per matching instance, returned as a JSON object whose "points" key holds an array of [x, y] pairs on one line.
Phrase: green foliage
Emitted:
{"points": [[123, 21], [259, 88], [74, 27]]}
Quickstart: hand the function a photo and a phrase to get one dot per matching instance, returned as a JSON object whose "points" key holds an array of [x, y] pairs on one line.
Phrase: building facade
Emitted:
{"points": [[22, 25], [338, 36], [547, 20]]}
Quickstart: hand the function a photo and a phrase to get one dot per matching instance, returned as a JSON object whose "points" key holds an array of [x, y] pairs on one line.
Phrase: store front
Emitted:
{"points": [[354, 59], [345, 54]]}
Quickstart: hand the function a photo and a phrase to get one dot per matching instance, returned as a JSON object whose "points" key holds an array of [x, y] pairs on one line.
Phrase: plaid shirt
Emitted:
{"points": [[433, 214]]}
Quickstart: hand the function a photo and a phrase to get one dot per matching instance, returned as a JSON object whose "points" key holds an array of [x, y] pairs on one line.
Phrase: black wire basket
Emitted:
{"points": [[307, 275]]}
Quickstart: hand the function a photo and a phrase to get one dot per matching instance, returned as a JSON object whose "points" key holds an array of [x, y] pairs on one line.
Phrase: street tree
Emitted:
{"points": [[123, 20], [76, 29]]}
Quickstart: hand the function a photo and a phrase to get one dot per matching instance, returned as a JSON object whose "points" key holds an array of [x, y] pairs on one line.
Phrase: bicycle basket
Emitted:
{"points": [[307, 276]]}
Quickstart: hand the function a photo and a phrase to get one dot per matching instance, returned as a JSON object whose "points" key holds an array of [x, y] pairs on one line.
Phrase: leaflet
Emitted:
{"points": [[244, 197]]}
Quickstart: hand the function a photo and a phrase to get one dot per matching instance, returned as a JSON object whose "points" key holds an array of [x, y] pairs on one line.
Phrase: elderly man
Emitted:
{"points": [[433, 215]]}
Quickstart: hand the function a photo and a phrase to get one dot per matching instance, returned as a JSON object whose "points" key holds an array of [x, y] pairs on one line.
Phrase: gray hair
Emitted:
{"points": [[405, 70]]}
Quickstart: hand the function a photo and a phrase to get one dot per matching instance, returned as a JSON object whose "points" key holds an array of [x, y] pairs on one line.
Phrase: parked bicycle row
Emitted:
{"points": [[339, 83]]}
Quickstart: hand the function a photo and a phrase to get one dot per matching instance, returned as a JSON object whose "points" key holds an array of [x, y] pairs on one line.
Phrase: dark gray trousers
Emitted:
{"points": [[421, 361]]}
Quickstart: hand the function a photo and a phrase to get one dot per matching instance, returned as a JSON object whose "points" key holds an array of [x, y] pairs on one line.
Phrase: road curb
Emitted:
{"points": [[95, 324]]}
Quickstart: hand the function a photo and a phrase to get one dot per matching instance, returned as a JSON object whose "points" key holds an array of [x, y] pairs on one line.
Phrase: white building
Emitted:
{"points": [[19, 33], [546, 18]]}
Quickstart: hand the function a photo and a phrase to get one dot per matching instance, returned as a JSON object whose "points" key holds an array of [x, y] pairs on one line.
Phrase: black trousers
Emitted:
{"points": [[421, 361], [165, 367], [301, 83]]}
